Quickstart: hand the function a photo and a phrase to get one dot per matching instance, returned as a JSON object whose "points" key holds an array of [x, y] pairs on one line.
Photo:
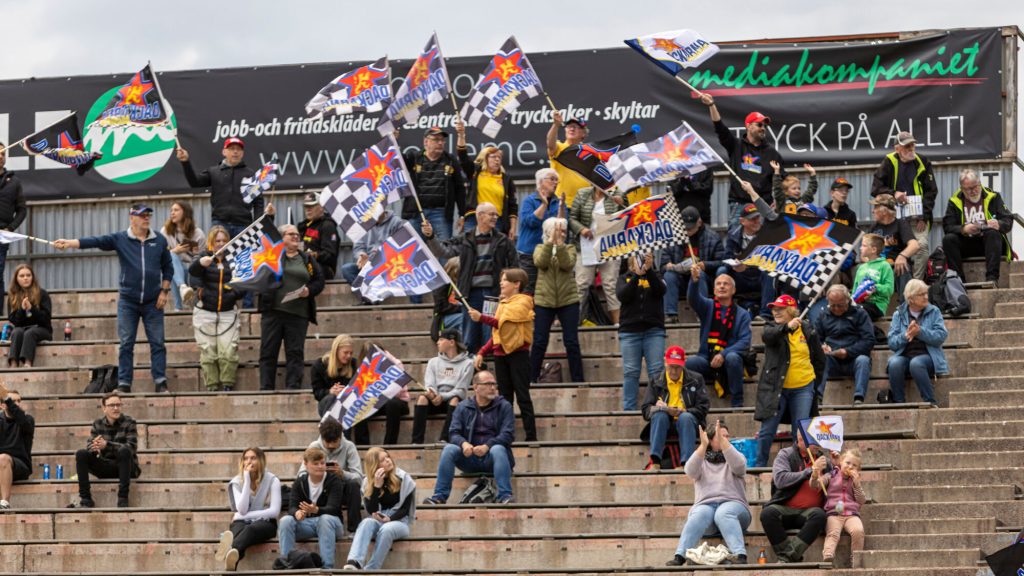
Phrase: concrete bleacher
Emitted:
{"points": [[945, 484]]}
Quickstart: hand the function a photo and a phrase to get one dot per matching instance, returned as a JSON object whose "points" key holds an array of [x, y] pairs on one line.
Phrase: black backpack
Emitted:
{"points": [[936, 269], [102, 379], [483, 491], [949, 295]]}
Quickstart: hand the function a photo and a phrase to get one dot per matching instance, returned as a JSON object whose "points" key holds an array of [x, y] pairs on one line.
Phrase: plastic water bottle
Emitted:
{"points": [[60, 471], [5, 334], [67, 331], [761, 558], [46, 471]]}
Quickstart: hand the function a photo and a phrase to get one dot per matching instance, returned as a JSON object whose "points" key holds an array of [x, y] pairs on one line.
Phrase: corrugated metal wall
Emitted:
{"points": [[92, 269]]}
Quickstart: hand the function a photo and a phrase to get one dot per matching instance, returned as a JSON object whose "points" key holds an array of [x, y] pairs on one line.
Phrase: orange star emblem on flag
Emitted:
{"points": [[809, 238], [665, 45], [361, 80], [134, 93], [503, 67], [421, 69], [825, 428], [269, 255], [377, 167], [643, 212], [396, 262], [367, 374], [672, 151]]}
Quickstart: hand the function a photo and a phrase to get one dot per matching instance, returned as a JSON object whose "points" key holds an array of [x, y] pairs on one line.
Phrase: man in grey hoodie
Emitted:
{"points": [[342, 461], [447, 379]]}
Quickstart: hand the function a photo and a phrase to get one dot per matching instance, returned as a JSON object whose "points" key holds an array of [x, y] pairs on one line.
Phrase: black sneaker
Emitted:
{"points": [[510, 499], [124, 389], [676, 560], [122, 502], [161, 388], [672, 319], [857, 400], [433, 500], [83, 503], [352, 565]]}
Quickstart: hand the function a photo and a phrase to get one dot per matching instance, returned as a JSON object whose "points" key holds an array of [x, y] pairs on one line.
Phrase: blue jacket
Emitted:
{"points": [[933, 334], [733, 248], [852, 331], [503, 429], [144, 264], [738, 339], [530, 232]]}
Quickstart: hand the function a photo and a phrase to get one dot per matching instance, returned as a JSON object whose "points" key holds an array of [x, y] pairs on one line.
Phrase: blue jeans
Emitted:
{"points": [[325, 527], [569, 318], [674, 282], [475, 334], [731, 518], [686, 429], [637, 347], [384, 534], [180, 277], [860, 369], [733, 368], [129, 313], [799, 401], [494, 462], [349, 271], [439, 220], [920, 368], [235, 230]]}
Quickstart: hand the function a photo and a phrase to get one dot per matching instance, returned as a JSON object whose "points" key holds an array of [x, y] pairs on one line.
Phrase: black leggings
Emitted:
{"points": [[251, 534], [393, 411], [512, 371]]}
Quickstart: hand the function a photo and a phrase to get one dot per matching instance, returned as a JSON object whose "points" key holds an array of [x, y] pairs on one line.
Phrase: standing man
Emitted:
{"points": [[569, 182], [750, 157], [846, 338], [109, 453], [320, 236], [439, 184], [146, 273], [17, 430], [12, 210], [225, 183], [976, 224], [904, 173], [837, 209]]}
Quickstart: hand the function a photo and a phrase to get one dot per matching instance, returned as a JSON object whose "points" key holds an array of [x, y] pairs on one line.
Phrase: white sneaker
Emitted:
{"points": [[226, 540], [187, 294], [5, 505]]}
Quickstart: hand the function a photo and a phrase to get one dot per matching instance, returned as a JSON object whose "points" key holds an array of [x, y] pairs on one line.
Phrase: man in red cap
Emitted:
{"points": [[750, 157], [676, 399]]}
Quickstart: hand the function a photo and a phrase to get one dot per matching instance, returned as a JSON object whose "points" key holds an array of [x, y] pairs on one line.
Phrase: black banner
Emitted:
{"points": [[830, 103]]}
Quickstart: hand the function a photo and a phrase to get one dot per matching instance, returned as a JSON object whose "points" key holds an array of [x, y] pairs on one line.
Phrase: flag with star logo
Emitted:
{"points": [[402, 266], [801, 251], [255, 257], [681, 151], [373, 180], [365, 89], [426, 84], [823, 431], [62, 142], [650, 224], [675, 50], [379, 379], [588, 159], [259, 182], [137, 103], [508, 81]]}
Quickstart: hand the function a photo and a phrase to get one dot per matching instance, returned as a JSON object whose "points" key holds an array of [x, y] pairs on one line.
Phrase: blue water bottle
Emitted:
{"points": [[46, 471], [5, 335], [60, 471]]}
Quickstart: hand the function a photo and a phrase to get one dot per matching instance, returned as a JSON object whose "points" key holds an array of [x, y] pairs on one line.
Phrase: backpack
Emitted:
{"points": [[936, 268], [102, 379], [297, 560], [949, 295], [483, 491], [593, 312], [550, 373]]}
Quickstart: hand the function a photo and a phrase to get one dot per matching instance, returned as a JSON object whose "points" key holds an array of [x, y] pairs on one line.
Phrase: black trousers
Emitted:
{"points": [[121, 467], [776, 519], [989, 245], [276, 327], [393, 412], [251, 534], [512, 371], [419, 420], [24, 341], [352, 496]]}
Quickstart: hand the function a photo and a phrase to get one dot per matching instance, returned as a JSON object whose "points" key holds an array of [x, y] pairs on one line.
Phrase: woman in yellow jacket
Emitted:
{"points": [[556, 296]]}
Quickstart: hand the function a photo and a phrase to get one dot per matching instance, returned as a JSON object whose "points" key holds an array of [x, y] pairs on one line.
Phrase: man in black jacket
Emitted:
{"points": [[320, 236], [694, 191], [796, 502], [17, 430], [704, 249], [12, 211], [111, 452], [976, 224], [676, 399], [847, 338], [439, 184], [314, 509]]}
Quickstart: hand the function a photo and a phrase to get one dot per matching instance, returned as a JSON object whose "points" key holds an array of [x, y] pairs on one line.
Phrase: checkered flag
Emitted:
{"points": [[653, 223], [247, 242], [828, 261], [259, 183], [681, 151], [426, 85], [373, 180], [508, 81]]}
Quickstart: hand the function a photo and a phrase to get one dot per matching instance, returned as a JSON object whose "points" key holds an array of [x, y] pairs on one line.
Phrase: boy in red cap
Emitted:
{"points": [[676, 399]]}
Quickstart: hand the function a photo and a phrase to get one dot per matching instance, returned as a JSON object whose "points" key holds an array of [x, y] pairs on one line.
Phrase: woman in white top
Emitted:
{"points": [[255, 498]]}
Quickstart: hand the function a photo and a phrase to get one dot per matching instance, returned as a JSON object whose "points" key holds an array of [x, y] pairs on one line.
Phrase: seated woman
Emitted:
{"points": [[916, 335], [184, 239], [393, 410], [556, 296], [333, 371], [31, 311], [216, 319], [389, 496], [255, 498], [718, 471]]}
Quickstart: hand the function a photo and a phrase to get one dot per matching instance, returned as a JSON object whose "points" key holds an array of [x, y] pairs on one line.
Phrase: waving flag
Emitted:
{"points": [[508, 81], [681, 151], [62, 142], [137, 103], [426, 84], [823, 431], [673, 51], [373, 180], [8, 237], [801, 251], [255, 257], [259, 183], [365, 89], [588, 160], [650, 224], [378, 380], [403, 266]]}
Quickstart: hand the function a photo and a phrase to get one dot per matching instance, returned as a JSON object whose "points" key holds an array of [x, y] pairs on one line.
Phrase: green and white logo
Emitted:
{"points": [[130, 153]]}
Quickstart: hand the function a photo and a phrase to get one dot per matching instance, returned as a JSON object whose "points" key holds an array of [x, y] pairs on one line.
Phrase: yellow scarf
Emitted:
{"points": [[515, 323]]}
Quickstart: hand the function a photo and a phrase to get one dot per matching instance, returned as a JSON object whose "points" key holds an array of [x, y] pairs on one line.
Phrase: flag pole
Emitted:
{"points": [[247, 228], [50, 242], [829, 280], [160, 91], [688, 85], [704, 143], [550, 103], [18, 142]]}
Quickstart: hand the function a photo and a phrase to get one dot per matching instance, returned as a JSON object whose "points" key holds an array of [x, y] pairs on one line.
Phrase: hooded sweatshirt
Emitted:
{"points": [[449, 377], [346, 456]]}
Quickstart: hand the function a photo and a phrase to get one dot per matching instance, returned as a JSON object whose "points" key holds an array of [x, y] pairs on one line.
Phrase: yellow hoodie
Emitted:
{"points": [[515, 323]]}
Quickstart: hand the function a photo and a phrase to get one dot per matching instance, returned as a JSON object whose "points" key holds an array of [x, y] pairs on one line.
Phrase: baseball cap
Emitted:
{"points": [[690, 216], [839, 182], [886, 200], [784, 301], [233, 141], [675, 355], [140, 209], [435, 131], [750, 211], [813, 209], [756, 116], [454, 336], [310, 199], [904, 138], [579, 122]]}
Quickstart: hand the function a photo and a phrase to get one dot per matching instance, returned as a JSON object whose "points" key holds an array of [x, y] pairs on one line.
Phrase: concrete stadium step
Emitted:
{"points": [[988, 399], [994, 368], [1008, 473], [943, 570], [979, 429], [932, 526], [918, 557], [1006, 512], [985, 541], [957, 493], [1009, 310], [973, 459]]}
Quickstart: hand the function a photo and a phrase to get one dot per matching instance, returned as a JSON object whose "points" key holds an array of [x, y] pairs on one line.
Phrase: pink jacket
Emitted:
{"points": [[841, 489]]}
